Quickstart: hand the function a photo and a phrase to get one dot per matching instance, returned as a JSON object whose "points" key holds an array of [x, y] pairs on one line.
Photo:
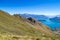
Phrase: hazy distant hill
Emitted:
{"points": [[37, 17], [56, 19]]}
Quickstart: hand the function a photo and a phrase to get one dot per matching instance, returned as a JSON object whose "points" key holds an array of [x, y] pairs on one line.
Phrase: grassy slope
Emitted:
{"points": [[12, 25], [15, 25]]}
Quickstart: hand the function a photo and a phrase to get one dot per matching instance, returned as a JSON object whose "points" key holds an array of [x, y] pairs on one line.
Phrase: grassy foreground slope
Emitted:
{"points": [[15, 25], [18, 28]]}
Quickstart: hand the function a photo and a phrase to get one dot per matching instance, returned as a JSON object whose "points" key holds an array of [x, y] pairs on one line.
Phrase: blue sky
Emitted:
{"points": [[39, 7]]}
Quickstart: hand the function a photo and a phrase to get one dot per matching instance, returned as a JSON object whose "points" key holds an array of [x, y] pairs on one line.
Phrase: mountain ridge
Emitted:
{"points": [[17, 25]]}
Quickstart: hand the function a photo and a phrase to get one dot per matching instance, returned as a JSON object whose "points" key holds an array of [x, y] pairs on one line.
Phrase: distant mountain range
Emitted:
{"points": [[37, 17], [56, 19], [53, 22]]}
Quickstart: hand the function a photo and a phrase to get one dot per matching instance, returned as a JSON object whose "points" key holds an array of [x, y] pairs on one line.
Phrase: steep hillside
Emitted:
{"points": [[15, 25], [40, 26]]}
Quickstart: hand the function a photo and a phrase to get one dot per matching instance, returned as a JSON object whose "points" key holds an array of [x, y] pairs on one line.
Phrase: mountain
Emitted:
{"points": [[50, 22], [14, 24], [41, 18], [16, 27], [37, 17], [56, 19]]}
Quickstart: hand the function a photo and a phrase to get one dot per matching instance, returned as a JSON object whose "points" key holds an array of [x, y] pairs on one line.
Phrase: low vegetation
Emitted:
{"points": [[15, 27]]}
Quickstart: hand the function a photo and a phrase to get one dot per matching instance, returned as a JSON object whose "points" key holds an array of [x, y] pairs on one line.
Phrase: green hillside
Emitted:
{"points": [[15, 27]]}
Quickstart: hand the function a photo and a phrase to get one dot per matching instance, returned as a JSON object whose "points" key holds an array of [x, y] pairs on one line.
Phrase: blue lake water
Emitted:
{"points": [[51, 24]]}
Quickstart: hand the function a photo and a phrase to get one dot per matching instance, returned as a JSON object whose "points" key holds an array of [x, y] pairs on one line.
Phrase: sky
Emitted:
{"points": [[38, 7]]}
